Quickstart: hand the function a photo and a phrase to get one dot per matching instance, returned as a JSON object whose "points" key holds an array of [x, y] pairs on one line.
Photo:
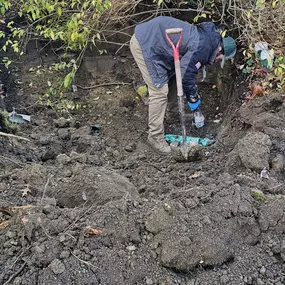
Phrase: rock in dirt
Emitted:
{"points": [[61, 122], [48, 155], [99, 184], [63, 133], [130, 147], [36, 174], [74, 156], [278, 163], [45, 140], [63, 158], [183, 254], [272, 215], [81, 132], [254, 150], [158, 220], [57, 267], [131, 248]]}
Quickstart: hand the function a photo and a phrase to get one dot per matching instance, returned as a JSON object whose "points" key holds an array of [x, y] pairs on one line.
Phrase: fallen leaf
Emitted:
{"points": [[260, 72], [25, 220], [4, 225], [26, 190], [195, 175], [92, 231], [255, 90]]}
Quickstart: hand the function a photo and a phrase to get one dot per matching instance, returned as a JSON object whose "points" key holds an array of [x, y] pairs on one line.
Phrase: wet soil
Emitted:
{"points": [[86, 201]]}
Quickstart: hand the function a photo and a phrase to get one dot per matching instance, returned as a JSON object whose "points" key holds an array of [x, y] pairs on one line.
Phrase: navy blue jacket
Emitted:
{"points": [[199, 47]]}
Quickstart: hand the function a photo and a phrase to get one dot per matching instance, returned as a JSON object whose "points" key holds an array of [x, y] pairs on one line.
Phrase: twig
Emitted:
{"points": [[21, 254], [77, 219], [14, 136], [163, 10], [15, 274], [121, 47], [46, 185], [102, 85], [11, 160], [273, 187], [85, 262]]}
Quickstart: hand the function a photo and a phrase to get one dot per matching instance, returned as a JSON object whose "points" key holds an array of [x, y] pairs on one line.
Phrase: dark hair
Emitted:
{"points": [[223, 27]]}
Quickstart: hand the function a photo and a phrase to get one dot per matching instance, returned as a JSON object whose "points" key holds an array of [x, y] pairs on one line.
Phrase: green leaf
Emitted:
{"points": [[68, 80], [224, 33], [59, 11], [260, 4], [52, 35], [203, 15], [74, 36]]}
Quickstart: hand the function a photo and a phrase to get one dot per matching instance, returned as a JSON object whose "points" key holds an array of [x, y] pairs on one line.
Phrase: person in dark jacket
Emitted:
{"points": [[201, 45]]}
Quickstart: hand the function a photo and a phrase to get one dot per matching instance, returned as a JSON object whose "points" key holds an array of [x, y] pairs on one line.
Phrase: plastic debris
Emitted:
{"points": [[265, 55], [264, 173], [131, 248], [26, 190], [199, 119], [176, 138], [14, 117], [3, 90], [84, 196], [96, 128], [74, 88]]}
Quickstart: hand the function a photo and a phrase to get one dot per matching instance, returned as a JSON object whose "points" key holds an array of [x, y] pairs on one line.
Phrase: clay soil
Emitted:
{"points": [[86, 201]]}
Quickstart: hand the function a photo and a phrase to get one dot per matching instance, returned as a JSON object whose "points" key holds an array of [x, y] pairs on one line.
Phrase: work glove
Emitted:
{"points": [[194, 101]]}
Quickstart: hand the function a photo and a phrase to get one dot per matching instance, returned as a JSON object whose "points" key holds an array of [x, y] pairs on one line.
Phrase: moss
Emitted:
{"points": [[258, 195], [5, 124]]}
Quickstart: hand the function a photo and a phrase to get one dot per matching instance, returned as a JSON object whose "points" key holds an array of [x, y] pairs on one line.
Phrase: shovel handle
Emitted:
{"points": [[174, 31], [174, 48]]}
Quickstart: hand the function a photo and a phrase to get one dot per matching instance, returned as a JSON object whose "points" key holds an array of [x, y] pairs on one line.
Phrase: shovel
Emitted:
{"points": [[182, 149]]}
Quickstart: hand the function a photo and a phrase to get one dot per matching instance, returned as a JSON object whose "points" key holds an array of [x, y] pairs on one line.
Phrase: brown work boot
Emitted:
{"points": [[159, 145]]}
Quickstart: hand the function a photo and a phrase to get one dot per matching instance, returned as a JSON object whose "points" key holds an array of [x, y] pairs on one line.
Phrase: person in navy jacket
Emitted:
{"points": [[201, 45]]}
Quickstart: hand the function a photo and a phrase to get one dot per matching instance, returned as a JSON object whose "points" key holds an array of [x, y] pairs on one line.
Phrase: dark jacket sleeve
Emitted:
{"points": [[189, 69]]}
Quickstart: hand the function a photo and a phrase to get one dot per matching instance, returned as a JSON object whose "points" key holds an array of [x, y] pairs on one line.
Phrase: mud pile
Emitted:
{"points": [[78, 207]]}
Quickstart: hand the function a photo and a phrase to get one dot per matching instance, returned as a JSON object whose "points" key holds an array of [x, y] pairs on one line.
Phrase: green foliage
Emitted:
{"points": [[279, 70], [258, 195], [54, 96], [73, 22], [6, 123]]}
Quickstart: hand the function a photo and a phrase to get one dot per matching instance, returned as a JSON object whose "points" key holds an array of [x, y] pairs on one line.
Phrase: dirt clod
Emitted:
{"points": [[254, 150], [57, 266]]}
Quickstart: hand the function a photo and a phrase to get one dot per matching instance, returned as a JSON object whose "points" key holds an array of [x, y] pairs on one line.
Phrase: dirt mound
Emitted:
{"points": [[79, 206]]}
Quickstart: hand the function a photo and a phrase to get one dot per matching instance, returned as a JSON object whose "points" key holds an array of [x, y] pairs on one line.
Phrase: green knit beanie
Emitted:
{"points": [[230, 47]]}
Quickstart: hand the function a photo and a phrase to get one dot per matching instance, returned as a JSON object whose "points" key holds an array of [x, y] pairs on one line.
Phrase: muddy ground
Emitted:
{"points": [[86, 201]]}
